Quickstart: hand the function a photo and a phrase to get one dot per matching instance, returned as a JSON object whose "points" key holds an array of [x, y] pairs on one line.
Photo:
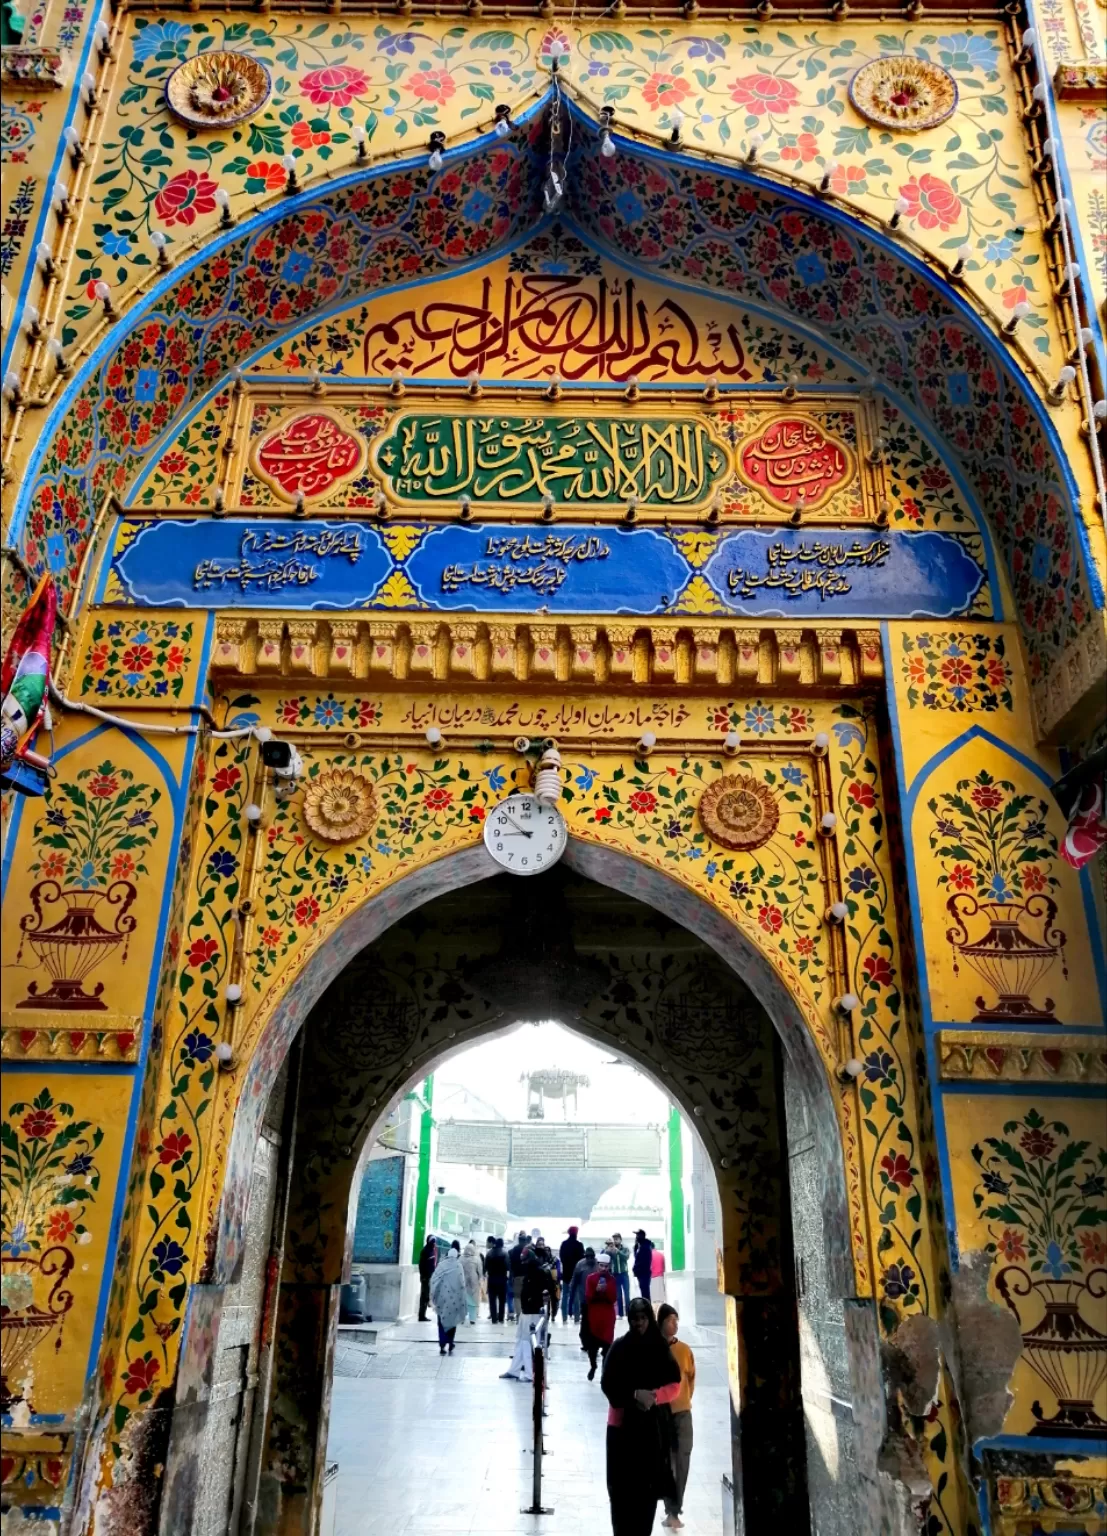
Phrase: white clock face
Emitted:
{"points": [[524, 835]]}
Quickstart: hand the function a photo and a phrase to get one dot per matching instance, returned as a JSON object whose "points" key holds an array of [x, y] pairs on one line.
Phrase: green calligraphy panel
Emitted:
{"points": [[587, 462]]}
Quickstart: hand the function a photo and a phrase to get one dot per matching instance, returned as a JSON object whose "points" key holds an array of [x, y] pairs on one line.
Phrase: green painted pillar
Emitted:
{"points": [[676, 1189], [422, 1186]]}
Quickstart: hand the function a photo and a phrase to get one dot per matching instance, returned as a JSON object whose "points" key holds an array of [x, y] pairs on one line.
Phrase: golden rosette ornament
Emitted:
{"points": [[903, 92], [216, 90], [340, 805], [739, 812]]}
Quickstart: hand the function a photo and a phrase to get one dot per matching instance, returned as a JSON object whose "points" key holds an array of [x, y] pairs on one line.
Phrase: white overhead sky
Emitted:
{"points": [[490, 1071]]}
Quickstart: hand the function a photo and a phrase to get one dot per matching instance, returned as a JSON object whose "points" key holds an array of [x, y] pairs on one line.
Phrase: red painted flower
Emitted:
{"points": [[173, 463], [60, 1227], [642, 802], [477, 813], [173, 1147], [771, 918], [957, 673], [1036, 1143], [138, 658], [987, 797], [897, 1169], [437, 799], [304, 136], [54, 866], [916, 670], [862, 794], [39, 1124], [265, 176], [805, 149], [962, 877], [334, 86], [225, 780], [1032, 879], [1011, 1245], [662, 90], [877, 969], [270, 937], [174, 659], [102, 786], [201, 951], [764, 94], [140, 1374], [185, 196], [932, 201], [307, 911], [805, 945], [122, 866], [848, 181], [433, 85], [602, 813], [290, 711], [1093, 1249]]}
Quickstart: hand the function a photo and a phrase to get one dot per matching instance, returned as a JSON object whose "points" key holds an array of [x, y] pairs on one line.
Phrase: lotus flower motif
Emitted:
{"points": [[340, 805]]}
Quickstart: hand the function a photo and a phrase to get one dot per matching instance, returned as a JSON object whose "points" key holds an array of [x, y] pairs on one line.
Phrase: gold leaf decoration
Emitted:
{"points": [[739, 812], [340, 805], [214, 90]]}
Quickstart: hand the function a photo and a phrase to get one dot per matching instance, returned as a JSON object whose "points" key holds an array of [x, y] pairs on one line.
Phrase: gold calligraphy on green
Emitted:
{"points": [[588, 461]]}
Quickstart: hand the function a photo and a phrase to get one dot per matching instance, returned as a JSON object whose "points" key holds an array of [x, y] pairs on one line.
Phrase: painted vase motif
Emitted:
{"points": [[78, 942], [1010, 959], [1063, 1348], [34, 1302]]}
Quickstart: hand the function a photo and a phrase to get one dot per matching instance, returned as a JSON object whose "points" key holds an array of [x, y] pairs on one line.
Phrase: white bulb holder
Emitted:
{"points": [[224, 1055], [435, 160], [731, 742], [828, 823], [849, 1002], [252, 814], [434, 736], [820, 744], [263, 733], [852, 1068], [233, 993], [646, 743], [838, 912]]}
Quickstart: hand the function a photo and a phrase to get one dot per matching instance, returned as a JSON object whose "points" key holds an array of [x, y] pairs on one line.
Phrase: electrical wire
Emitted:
{"points": [[143, 728]]}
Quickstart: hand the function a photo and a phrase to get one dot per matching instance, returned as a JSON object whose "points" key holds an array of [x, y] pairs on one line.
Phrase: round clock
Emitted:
{"points": [[524, 835]]}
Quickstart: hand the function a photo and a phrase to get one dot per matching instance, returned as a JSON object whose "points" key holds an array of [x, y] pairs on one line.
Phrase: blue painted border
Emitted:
{"points": [[738, 174]]}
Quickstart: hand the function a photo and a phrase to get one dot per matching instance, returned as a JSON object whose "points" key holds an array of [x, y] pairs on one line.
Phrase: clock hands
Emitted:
{"points": [[520, 831]]}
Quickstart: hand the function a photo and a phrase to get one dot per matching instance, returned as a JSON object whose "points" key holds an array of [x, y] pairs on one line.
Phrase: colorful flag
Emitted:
{"points": [[1087, 829], [25, 674]]}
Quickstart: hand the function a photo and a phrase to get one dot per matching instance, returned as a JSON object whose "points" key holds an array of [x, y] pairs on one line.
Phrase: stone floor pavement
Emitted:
{"points": [[425, 1443]]}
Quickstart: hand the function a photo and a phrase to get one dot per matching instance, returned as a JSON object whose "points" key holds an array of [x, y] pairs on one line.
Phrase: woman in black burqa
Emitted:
{"points": [[640, 1376]]}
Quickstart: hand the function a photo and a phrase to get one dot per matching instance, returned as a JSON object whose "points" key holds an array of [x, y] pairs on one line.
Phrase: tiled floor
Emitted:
{"points": [[427, 1444]]}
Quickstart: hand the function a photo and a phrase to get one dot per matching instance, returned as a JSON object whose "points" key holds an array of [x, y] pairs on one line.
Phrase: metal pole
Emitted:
{"points": [[539, 1351]]}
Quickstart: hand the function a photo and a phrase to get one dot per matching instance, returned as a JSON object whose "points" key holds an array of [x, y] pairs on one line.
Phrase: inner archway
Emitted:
{"points": [[622, 972]]}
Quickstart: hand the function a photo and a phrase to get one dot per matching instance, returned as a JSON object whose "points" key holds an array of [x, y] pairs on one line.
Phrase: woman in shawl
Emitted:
{"points": [[471, 1269], [448, 1298], [640, 1377]]}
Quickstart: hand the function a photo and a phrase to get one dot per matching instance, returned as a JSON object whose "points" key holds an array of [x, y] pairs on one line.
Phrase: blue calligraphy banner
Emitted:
{"points": [[573, 568], [774, 573]]}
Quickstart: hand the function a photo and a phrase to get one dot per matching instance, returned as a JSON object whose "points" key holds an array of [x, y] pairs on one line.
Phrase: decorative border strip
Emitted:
{"points": [[968, 1056], [440, 650], [71, 1037]]}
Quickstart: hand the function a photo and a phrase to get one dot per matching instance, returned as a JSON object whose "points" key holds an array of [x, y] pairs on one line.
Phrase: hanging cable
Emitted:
{"points": [[77, 707]]}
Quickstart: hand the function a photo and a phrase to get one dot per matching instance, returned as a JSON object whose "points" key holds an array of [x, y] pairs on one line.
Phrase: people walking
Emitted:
{"points": [[640, 1378], [538, 1284], [471, 1269], [659, 1295], [643, 1262], [570, 1253], [515, 1270], [448, 1299], [681, 1410], [495, 1272], [620, 1267], [428, 1257], [586, 1267], [597, 1328]]}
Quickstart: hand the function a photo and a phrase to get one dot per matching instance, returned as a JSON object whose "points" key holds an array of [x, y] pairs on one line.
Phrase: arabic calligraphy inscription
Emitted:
{"points": [[794, 464], [308, 455]]}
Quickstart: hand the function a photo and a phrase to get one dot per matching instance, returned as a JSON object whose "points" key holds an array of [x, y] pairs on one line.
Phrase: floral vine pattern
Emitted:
{"points": [[46, 1152], [993, 840], [125, 660], [96, 827], [955, 671]]}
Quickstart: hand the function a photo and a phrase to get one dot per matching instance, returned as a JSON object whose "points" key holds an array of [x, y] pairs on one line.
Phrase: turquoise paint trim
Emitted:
{"points": [[30, 271], [1030, 1090]]}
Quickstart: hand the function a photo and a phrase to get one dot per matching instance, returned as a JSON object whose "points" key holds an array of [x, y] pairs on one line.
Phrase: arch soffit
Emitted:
{"points": [[278, 1026], [720, 228]]}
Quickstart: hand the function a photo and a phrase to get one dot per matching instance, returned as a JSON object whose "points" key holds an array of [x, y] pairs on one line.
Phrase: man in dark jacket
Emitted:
{"points": [[643, 1262], [495, 1270], [572, 1251], [515, 1269], [428, 1257]]}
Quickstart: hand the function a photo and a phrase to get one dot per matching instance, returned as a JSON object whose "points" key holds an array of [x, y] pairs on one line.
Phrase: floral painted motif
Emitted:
{"points": [[329, 712], [1042, 1193], [955, 671], [125, 660], [759, 719], [95, 829], [993, 840]]}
